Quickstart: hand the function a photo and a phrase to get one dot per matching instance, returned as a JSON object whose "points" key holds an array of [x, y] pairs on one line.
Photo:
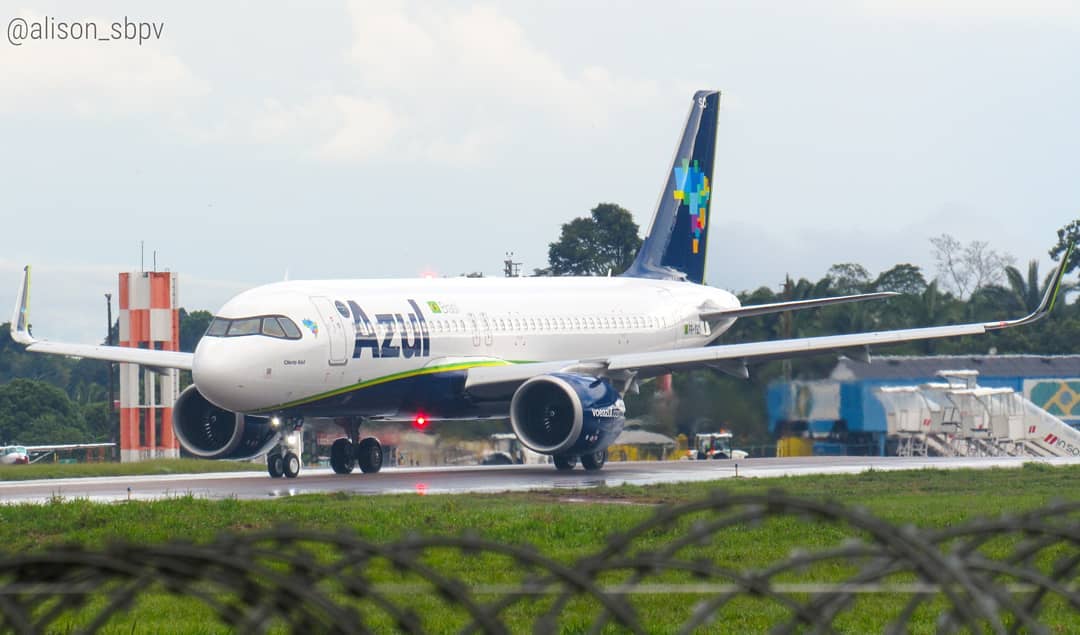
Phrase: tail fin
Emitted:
{"points": [[675, 245]]}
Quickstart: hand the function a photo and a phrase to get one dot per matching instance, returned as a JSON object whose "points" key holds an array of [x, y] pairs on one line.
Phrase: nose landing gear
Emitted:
{"points": [[285, 464], [284, 459]]}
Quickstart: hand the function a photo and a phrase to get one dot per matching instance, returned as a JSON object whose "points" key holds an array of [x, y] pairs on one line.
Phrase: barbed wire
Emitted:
{"points": [[674, 571]]}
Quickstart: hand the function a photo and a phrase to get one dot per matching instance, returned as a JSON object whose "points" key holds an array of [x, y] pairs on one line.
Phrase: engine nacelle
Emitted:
{"points": [[209, 432], [567, 414]]}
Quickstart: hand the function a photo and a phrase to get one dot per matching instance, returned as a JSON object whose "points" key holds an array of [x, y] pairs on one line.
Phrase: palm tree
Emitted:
{"points": [[1026, 293]]}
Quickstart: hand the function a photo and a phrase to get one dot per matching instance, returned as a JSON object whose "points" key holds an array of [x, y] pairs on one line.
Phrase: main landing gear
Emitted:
{"points": [[347, 453], [591, 462]]}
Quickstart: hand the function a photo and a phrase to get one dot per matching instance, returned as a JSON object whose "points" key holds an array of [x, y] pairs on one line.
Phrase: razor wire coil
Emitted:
{"points": [[990, 575]]}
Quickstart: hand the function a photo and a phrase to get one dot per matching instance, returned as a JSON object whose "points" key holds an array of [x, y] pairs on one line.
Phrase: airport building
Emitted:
{"points": [[843, 414]]}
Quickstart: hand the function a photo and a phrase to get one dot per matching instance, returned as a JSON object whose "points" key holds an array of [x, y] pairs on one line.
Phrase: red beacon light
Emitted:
{"points": [[420, 422]]}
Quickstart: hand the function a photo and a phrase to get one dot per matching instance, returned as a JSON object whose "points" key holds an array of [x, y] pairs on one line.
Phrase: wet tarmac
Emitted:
{"points": [[457, 480]]}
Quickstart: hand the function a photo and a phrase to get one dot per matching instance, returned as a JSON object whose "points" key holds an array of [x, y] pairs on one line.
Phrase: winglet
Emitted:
{"points": [[20, 320], [1048, 300]]}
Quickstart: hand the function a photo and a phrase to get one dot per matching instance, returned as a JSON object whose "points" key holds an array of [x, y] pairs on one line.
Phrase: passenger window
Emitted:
{"points": [[271, 327], [245, 326]]}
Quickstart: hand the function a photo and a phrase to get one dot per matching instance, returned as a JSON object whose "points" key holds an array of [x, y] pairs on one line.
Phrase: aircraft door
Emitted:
{"points": [[335, 327], [485, 329], [474, 325]]}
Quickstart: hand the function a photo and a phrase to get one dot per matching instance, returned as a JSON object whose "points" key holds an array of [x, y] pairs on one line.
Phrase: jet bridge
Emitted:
{"points": [[958, 417]]}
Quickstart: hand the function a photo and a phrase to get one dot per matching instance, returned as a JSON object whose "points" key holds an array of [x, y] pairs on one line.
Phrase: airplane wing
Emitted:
{"points": [[779, 307], [20, 332], [66, 446], [496, 381]]}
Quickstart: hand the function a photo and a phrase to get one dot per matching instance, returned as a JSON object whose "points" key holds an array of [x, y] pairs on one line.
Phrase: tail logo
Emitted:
{"points": [[692, 189]]}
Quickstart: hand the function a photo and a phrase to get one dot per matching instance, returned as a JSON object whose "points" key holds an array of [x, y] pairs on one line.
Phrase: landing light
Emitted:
{"points": [[275, 422]]}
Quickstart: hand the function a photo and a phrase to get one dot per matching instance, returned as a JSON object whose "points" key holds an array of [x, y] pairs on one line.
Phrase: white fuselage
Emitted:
{"points": [[13, 454], [361, 337]]}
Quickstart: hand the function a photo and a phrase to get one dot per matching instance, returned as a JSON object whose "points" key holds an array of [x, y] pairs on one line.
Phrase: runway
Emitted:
{"points": [[472, 479]]}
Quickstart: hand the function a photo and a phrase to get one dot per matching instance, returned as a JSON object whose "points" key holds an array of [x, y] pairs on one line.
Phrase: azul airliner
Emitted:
{"points": [[556, 355]]}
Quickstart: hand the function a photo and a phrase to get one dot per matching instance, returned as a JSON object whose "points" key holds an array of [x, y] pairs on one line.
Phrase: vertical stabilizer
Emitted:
{"points": [[20, 319], [676, 244]]}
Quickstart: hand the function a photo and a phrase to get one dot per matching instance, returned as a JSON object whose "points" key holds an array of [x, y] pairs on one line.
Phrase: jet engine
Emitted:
{"points": [[567, 414], [209, 432]]}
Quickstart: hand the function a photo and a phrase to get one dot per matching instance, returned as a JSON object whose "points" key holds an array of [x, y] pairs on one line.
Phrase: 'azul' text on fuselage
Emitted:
{"points": [[399, 335]]}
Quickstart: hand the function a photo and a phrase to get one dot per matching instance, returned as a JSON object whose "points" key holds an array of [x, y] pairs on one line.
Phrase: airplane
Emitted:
{"points": [[20, 454], [555, 355]]}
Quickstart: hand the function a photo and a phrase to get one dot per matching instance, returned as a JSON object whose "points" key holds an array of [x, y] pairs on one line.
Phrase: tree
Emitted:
{"points": [[849, 278], [904, 278], [1068, 235], [1026, 293], [192, 327], [967, 268], [606, 241], [34, 412]]}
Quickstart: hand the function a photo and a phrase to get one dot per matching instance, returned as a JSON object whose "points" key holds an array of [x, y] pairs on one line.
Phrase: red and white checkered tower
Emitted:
{"points": [[149, 318]]}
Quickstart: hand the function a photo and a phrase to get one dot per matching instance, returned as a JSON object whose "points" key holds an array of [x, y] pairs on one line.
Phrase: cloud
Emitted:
{"points": [[475, 58], [973, 9], [93, 79], [454, 85], [333, 127], [466, 78]]}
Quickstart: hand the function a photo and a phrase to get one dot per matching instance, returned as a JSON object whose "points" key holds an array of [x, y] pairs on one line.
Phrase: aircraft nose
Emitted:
{"points": [[216, 373]]}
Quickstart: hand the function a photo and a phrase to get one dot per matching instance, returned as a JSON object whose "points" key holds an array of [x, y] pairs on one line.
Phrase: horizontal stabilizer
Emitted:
{"points": [[798, 305]]}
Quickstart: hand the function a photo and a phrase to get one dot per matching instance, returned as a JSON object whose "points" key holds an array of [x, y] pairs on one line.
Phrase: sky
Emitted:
{"points": [[249, 142]]}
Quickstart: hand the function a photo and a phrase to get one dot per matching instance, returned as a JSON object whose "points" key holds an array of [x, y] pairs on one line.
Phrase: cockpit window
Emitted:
{"points": [[291, 330], [271, 327], [277, 326], [217, 327], [244, 326]]}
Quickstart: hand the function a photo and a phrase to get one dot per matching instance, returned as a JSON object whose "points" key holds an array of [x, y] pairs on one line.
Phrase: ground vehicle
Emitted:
{"points": [[507, 450], [715, 445]]}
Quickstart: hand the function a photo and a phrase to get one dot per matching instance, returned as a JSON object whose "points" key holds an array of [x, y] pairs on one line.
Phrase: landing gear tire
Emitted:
{"points": [[565, 463], [594, 461], [369, 455], [275, 465], [341, 456], [291, 465]]}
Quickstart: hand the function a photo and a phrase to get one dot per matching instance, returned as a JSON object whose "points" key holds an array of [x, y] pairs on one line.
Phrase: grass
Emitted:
{"points": [[36, 471], [564, 531]]}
